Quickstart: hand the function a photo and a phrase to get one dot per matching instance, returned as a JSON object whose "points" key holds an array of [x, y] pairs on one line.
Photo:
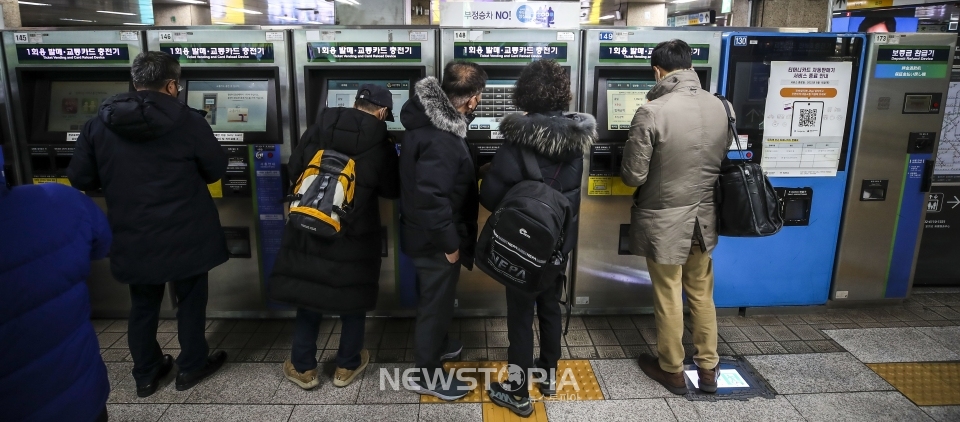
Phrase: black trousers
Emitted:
{"points": [[437, 281], [520, 330], [144, 320], [306, 330]]}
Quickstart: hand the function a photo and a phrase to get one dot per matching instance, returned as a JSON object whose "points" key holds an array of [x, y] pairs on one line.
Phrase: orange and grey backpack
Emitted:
{"points": [[323, 195]]}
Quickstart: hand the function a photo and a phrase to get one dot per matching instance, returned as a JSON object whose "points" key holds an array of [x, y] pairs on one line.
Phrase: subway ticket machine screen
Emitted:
{"points": [[231, 106], [342, 93], [624, 97], [72, 103], [495, 103]]}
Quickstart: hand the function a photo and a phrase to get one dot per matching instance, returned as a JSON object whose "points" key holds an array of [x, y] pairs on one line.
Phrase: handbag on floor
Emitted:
{"points": [[747, 204]]}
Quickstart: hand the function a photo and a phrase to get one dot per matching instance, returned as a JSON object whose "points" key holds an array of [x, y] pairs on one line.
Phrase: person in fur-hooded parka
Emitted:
{"points": [[558, 140]]}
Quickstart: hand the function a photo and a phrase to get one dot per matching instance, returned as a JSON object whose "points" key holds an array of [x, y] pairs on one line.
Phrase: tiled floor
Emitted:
{"points": [[815, 362]]}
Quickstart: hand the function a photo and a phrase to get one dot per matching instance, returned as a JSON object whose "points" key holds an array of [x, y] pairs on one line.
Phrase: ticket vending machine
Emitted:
{"points": [[900, 116], [57, 81], [331, 64], [13, 153], [241, 79], [616, 78], [796, 99], [503, 53]]}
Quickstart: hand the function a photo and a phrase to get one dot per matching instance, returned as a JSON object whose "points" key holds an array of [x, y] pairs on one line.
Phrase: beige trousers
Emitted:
{"points": [[669, 282]]}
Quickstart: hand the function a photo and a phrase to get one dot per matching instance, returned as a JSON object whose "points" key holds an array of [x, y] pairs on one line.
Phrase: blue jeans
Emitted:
{"points": [[306, 329]]}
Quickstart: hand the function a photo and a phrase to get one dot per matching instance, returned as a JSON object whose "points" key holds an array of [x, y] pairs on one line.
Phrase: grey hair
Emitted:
{"points": [[460, 100], [154, 69]]}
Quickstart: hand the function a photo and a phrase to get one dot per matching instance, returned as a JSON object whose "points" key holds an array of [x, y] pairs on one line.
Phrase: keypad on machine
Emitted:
{"points": [[496, 102]]}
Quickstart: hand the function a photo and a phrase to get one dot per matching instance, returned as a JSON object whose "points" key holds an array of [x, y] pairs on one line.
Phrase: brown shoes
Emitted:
{"points": [[306, 380], [672, 381], [708, 379]]}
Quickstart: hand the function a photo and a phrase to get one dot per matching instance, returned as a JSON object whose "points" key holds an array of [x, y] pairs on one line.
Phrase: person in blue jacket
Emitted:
{"points": [[50, 364]]}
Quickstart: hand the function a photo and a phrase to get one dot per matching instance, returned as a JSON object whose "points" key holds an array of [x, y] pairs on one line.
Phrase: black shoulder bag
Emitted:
{"points": [[747, 204]]}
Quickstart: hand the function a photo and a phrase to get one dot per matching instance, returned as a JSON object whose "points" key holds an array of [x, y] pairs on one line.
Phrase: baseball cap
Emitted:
{"points": [[378, 95]]}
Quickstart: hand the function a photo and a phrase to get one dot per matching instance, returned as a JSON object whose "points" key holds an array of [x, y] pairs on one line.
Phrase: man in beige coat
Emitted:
{"points": [[677, 141]]}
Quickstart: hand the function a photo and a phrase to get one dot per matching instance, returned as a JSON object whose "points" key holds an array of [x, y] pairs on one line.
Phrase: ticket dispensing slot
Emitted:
{"points": [[795, 204]]}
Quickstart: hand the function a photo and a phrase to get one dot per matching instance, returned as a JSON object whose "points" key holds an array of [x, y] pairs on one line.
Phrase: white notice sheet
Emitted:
{"points": [[805, 117]]}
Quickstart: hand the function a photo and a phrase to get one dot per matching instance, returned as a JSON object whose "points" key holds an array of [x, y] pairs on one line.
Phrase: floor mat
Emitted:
{"points": [[925, 384]]}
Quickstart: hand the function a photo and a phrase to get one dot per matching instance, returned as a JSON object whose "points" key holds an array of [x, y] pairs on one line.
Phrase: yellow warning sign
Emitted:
{"points": [[216, 189], [608, 185], [599, 186], [60, 180]]}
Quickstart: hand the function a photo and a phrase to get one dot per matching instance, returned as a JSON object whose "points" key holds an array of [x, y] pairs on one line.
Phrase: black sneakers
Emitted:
{"points": [[147, 390], [453, 349], [454, 390], [519, 405], [548, 387], [186, 380]]}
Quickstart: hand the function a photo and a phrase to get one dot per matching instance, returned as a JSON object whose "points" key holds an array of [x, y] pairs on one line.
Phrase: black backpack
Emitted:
{"points": [[520, 245], [747, 204]]}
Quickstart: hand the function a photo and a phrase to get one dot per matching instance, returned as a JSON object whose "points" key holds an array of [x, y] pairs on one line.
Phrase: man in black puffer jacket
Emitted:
{"points": [[438, 207], [154, 156], [341, 275], [558, 141]]}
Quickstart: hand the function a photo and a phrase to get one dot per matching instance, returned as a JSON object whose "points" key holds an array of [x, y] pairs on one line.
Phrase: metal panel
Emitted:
{"points": [[879, 239], [605, 281], [390, 300]]}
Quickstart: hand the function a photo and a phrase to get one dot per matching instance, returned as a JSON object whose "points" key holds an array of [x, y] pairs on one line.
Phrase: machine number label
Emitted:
{"points": [[20, 37], [165, 36], [73, 136], [459, 35], [606, 36], [880, 38]]}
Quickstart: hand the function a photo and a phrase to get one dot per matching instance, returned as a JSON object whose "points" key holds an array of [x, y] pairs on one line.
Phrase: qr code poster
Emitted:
{"points": [[807, 99], [804, 119]]}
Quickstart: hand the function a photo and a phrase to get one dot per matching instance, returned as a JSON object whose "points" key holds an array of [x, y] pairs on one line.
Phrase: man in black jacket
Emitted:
{"points": [[153, 157], [341, 275], [438, 209]]}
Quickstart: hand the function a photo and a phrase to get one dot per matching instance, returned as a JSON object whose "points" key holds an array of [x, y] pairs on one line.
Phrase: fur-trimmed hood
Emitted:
{"points": [[554, 135], [431, 107]]}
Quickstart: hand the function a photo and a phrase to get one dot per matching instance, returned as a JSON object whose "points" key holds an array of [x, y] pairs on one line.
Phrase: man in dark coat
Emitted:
{"points": [[339, 275], [439, 207], [153, 157], [50, 364], [558, 140]]}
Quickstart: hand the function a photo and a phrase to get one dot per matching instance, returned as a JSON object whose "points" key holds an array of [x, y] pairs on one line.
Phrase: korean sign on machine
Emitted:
{"points": [[333, 52], [554, 15], [220, 52], [510, 51], [112, 53], [641, 52], [912, 62], [805, 118]]}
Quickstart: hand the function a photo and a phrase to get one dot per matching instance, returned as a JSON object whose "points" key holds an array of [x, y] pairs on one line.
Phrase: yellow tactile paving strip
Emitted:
{"points": [[494, 413], [586, 387], [926, 384]]}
